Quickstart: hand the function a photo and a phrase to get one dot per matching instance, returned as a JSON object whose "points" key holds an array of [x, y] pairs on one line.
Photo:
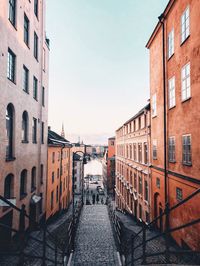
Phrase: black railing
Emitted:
{"points": [[144, 254], [49, 250]]}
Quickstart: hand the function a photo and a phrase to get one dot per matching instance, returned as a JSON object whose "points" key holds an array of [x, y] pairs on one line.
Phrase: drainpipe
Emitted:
{"points": [[162, 20]]}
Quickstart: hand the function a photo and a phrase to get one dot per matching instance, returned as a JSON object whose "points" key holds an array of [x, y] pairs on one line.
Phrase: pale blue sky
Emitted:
{"points": [[99, 66]]}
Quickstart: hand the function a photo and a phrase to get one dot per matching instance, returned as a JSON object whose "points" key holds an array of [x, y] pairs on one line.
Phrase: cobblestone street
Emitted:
{"points": [[94, 244]]}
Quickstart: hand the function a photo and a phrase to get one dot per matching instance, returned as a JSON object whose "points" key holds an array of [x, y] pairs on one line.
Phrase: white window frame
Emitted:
{"points": [[171, 43], [154, 149], [185, 82], [172, 149], [185, 24], [154, 107], [172, 92], [188, 154]]}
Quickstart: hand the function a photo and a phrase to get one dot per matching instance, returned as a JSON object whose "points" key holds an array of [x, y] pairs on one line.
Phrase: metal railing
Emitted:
{"points": [[50, 248], [145, 254]]}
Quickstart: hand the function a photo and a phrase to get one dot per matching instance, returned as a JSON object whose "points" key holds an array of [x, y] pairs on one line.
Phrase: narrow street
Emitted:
{"points": [[94, 243]]}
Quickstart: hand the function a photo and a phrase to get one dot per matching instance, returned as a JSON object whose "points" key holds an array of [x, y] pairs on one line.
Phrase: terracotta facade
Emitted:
{"points": [[182, 45]]}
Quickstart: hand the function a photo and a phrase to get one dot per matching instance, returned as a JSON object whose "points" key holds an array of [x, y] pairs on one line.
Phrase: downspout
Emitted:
{"points": [[162, 20]]}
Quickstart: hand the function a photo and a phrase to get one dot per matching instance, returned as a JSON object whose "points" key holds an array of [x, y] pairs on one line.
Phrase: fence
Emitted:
{"points": [[51, 251]]}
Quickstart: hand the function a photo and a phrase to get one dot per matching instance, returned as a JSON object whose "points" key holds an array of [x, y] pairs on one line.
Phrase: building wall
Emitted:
{"points": [[129, 169], [111, 165], [27, 155], [78, 168], [61, 181], [182, 119]]}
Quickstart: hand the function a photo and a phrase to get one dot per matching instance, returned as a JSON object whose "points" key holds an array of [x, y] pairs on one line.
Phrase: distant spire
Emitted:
{"points": [[79, 139], [63, 131]]}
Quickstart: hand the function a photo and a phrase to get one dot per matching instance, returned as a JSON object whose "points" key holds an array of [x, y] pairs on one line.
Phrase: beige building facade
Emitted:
{"points": [[132, 165]]}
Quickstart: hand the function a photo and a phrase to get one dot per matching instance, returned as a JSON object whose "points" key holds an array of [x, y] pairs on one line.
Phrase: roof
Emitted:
{"points": [[57, 140], [147, 107], [158, 25], [111, 138]]}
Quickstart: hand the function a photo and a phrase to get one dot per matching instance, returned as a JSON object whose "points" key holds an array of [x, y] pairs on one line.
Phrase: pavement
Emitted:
{"points": [[94, 243]]}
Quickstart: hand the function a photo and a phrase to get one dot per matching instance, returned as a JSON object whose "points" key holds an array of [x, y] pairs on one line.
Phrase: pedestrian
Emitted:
{"points": [[102, 202], [91, 191], [93, 199], [97, 198]]}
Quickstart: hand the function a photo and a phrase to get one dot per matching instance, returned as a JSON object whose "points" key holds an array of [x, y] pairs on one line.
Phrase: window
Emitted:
{"points": [[11, 66], [154, 107], [26, 30], [140, 211], [12, 11], [145, 120], [23, 184], [41, 173], [53, 157], [52, 196], [147, 217], [134, 151], [172, 149], [9, 187], [33, 179], [57, 194], [130, 149], [44, 59], [185, 25], [42, 133], [171, 88], [139, 122], [9, 131], [179, 194], [43, 96], [146, 195], [25, 79], [35, 46], [58, 173], [145, 153], [60, 188], [58, 156], [34, 130], [185, 77], [134, 125], [35, 88], [154, 149], [157, 182], [171, 43], [52, 178], [25, 127], [139, 152], [135, 181], [187, 160], [140, 185], [36, 7]]}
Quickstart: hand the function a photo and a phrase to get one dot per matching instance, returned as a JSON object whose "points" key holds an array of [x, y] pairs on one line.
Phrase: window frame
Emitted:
{"points": [[184, 79], [183, 32], [172, 92], [11, 66], [188, 154], [171, 44]]}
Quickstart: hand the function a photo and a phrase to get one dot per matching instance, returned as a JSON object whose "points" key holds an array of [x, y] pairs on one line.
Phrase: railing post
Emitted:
{"points": [[56, 253], [144, 242], [132, 250], [167, 227], [44, 246], [22, 234]]}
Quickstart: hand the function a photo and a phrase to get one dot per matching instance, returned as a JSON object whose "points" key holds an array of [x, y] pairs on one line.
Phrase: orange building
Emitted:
{"points": [[175, 116], [59, 179], [132, 166]]}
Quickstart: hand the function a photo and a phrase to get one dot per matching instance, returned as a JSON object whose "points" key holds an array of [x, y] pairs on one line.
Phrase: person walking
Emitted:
{"points": [[93, 198], [97, 198], [102, 201]]}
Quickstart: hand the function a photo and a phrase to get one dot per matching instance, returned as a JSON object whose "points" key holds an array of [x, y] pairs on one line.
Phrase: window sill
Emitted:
{"points": [[154, 116], [27, 45], [187, 164], [185, 100], [34, 142], [23, 196], [14, 26], [25, 141], [13, 81], [35, 99], [10, 159], [185, 40], [172, 107], [26, 91], [172, 55]]}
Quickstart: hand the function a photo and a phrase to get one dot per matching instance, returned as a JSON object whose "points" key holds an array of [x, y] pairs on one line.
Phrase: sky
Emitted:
{"points": [[99, 66]]}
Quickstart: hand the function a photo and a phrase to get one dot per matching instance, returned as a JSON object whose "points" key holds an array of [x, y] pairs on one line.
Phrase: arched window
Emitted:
{"points": [[33, 179], [23, 184], [9, 187], [9, 131], [25, 127]]}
